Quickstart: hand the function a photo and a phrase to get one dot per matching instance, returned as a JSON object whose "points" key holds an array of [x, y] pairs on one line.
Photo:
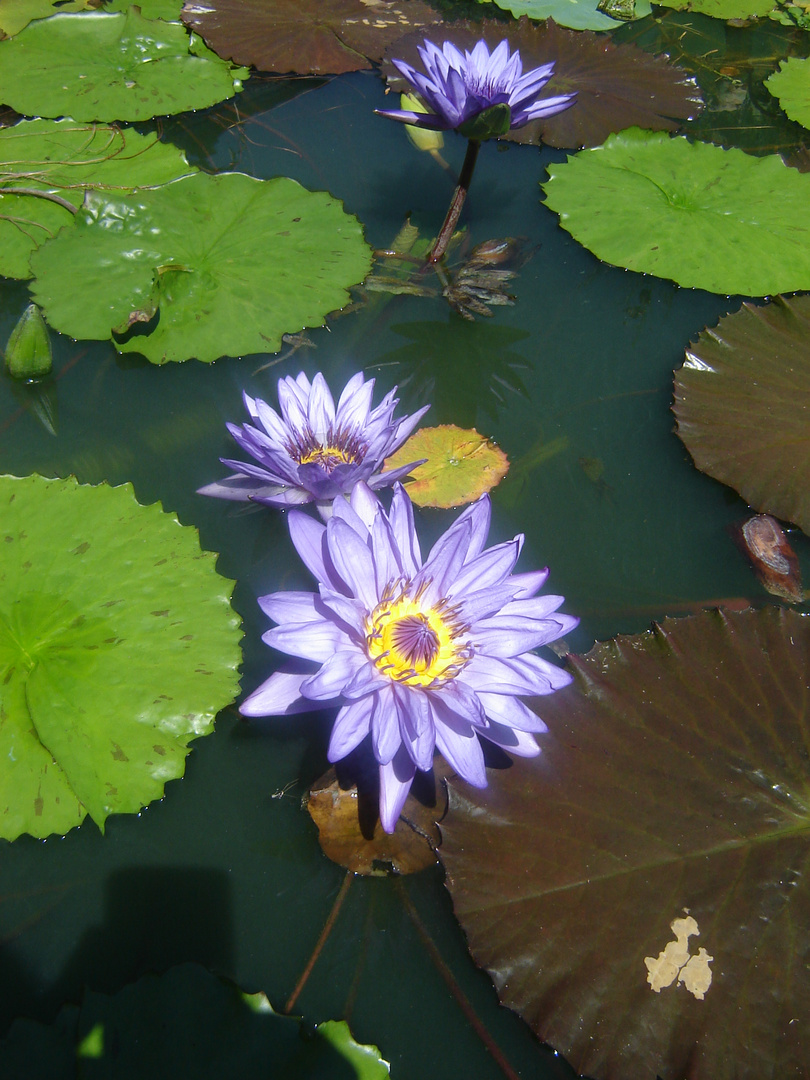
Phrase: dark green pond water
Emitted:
{"points": [[573, 382]]}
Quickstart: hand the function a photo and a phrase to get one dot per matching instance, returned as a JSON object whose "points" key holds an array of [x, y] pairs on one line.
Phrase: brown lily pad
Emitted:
{"points": [[617, 86], [639, 892], [310, 37], [461, 465], [349, 830], [742, 401]]}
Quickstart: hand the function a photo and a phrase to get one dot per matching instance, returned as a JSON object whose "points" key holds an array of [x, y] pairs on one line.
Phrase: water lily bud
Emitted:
{"points": [[422, 138], [28, 352]]}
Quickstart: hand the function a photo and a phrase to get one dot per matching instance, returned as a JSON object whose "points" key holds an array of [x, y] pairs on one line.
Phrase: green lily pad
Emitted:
{"points": [[186, 1022], [213, 265], [461, 465], [639, 891], [118, 646], [311, 37], [15, 15], [168, 10], [576, 14], [723, 9], [99, 66], [790, 85], [708, 218], [63, 158], [742, 400]]}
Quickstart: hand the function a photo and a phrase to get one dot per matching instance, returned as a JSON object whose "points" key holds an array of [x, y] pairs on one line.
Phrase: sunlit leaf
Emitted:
{"points": [[186, 1022], [617, 86], [578, 14], [63, 158], [461, 465], [790, 85], [99, 66], [168, 10], [723, 9], [672, 786], [316, 37], [741, 401], [708, 218], [15, 15], [211, 265], [118, 646], [346, 811]]}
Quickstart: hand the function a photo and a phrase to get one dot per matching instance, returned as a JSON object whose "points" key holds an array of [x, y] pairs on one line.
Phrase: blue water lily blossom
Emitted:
{"points": [[315, 450], [420, 654], [457, 87]]}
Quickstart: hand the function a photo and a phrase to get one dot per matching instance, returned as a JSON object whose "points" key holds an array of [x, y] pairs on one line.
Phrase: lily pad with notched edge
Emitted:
{"points": [[213, 265], [790, 85], [705, 217], [186, 1022], [742, 400], [118, 646], [98, 66], [617, 86], [673, 786], [461, 465], [63, 158], [724, 9], [577, 14], [310, 37], [15, 15]]}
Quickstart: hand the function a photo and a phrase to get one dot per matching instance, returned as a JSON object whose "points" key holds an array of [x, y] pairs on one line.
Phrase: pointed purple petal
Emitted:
{"points": [[352, 560], [350, 728], [307, 536], [296, 607], [312, 641], [402, 523], [395, 782], [464, 753], [385, 735], [280, 695], [338, 670], [511, 712], [519, 743]]}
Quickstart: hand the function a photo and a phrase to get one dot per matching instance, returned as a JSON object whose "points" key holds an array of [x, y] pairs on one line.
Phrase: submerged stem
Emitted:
{"points": [[37, 194], [456, 203], [316, 952]]}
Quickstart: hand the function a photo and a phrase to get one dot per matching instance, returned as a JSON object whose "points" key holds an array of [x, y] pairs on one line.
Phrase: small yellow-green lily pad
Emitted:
{"points": [[461, 465]]}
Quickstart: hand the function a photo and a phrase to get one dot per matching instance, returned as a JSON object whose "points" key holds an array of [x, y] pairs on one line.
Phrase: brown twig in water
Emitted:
{"points": [[316, 952]]}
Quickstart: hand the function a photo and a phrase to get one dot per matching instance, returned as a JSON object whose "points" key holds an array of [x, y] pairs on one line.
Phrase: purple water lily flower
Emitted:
{"points": [[459, 86], [315, 451], [421, 654]]}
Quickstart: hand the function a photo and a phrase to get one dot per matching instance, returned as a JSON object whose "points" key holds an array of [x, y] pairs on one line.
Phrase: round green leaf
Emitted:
{"points": [[15, 15], [185, 1023], [63, 158], [118, 646], [576, 14], [168, 10], [673, 785], [790, 85], [228, 263], [723, 9], [708, 218], [741, 401], [461, 465], [95, 66]]}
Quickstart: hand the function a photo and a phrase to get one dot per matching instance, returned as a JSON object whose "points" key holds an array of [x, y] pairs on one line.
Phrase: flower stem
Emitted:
{"points": [[316, 952], [456, 203]]}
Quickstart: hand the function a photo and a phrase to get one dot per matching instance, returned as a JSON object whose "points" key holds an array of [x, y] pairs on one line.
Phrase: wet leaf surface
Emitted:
{"points": [[791, 87], [577, 14], [461, 465], [15, 15], [617, 86], [210, 265], [707, 218], [186, 1022], [99, 66], [108, 669], [673, 785], [723, 9], [63, 158], [741, 403], [345, 809], [310, 37]]}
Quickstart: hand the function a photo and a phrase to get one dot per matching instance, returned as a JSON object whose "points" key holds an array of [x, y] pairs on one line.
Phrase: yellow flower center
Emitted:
{"points": [[413, 644], [328, 456], [337, 447]]}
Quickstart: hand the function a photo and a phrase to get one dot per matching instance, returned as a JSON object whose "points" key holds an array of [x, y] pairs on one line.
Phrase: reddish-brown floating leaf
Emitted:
{"points": [[674, 784], [742, 402], [349, 829], [762, 540], [617, 86], [310, 37], [461, 465]]}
